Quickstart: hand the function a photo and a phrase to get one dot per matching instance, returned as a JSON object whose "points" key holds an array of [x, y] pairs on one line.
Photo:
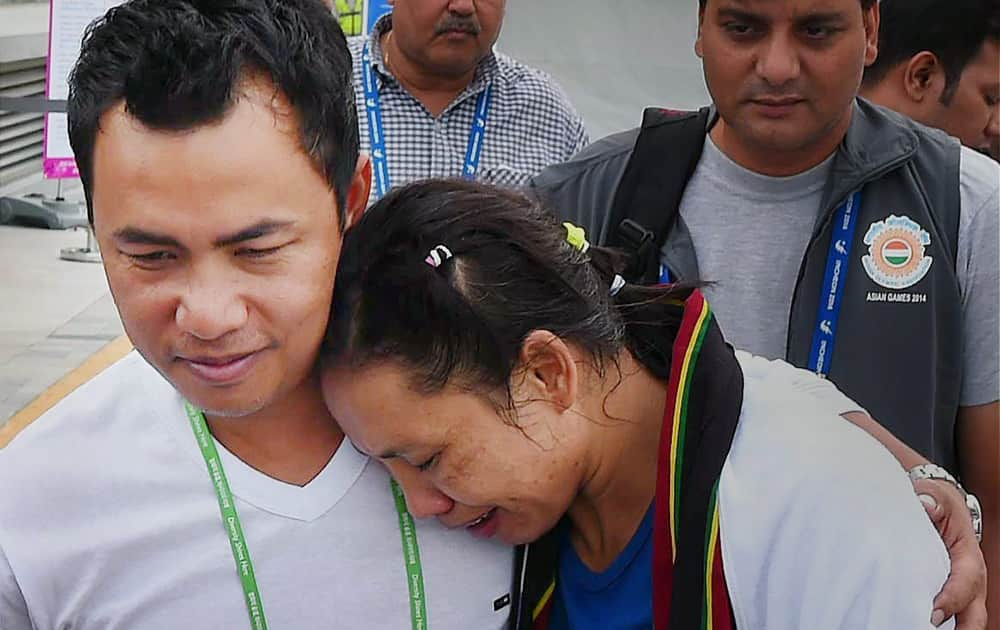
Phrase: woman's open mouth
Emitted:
{"points": [[485, 526]]}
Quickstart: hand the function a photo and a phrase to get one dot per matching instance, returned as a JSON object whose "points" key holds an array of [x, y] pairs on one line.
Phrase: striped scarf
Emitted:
{"points": [[704, 398]]}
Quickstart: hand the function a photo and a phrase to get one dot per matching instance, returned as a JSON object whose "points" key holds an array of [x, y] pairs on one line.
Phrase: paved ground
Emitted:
{"points": [[53, 313]]}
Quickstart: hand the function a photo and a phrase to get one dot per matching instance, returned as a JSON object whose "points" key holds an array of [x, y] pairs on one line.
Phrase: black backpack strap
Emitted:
{"points": [[649, 195]]}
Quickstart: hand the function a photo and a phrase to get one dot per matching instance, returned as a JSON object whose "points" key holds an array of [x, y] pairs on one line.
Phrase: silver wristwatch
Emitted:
{"points": [[933, 471]]}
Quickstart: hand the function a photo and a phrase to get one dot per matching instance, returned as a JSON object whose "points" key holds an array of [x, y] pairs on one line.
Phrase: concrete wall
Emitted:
{"points": [[613, 58], [24, 31]]}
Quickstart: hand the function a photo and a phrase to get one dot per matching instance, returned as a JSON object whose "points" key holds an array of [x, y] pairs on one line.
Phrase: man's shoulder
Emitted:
{"points": [[127, 388], [607, 156], [979, 174], [791, 444], [582, 189], [514, 71], [800, 488], [784, 417], [533, 82]]}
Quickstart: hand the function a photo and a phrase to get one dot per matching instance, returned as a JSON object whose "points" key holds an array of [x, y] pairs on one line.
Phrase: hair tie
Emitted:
{"points": [[437, 255], [616, 284], [576, 237]]}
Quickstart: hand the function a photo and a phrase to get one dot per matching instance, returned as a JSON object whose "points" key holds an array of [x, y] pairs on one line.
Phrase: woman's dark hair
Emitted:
{"points": [[511, 272], [177, 64]]}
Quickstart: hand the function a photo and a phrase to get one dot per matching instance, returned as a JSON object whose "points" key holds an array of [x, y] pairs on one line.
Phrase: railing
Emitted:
{"points": [[21, 132]]}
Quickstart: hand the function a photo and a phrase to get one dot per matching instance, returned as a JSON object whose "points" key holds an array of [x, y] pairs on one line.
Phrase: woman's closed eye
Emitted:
{"points": [[428, 463]]}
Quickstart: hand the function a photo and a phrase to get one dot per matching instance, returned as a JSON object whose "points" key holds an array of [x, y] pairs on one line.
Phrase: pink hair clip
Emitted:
{"points": [[437, 255]]}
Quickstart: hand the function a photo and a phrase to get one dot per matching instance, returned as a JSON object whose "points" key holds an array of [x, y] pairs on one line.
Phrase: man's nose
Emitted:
{"points": [[462, 7], [210, 307], [993, 126], [778, 61]]}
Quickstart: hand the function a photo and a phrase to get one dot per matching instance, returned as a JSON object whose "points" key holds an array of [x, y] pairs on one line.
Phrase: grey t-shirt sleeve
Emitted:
{"points": [[582, 190], [978, 269]]}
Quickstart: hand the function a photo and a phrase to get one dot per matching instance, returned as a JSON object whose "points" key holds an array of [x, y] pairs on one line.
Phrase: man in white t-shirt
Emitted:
{"points": [[218, 148]]}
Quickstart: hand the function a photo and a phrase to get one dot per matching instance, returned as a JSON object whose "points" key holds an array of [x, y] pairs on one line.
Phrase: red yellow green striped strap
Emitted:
{"points": [[674, 448]]}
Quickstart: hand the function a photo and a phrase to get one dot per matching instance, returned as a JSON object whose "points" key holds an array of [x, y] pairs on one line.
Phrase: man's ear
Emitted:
{"points": [[549, 369], [357, 196], [923, 77], [871, 19], [698, 50]]}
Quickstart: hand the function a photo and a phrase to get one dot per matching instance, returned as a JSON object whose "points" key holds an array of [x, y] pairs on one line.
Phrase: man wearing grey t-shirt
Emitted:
{"points": [[836, 235]]}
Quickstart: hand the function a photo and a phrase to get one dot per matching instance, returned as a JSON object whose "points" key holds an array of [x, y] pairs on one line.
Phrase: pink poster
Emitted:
{"points": [[67, 21]]}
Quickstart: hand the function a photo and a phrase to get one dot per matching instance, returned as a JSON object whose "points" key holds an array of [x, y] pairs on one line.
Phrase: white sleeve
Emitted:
{"points": [[978, 268], [13, 609], [820, 526], [806, 382], [869, 558]]}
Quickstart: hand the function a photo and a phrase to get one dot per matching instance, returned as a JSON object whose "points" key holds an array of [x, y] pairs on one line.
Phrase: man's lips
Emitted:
{"points": [[457, 32], [776, 108], [777, 102], [221, 369]]}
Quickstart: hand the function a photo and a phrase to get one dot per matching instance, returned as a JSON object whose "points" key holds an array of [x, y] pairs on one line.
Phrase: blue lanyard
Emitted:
{"points": [[376, 135], [664, 274], [845, 221]]}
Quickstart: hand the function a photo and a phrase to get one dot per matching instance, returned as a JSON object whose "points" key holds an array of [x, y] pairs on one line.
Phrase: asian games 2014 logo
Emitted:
{"points": [[895, 258]]}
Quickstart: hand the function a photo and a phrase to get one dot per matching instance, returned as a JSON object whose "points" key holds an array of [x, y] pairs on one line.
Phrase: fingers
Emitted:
{"points": [[932, 508], [945, 505], [964, 594], [947, 496], [973, 618]]}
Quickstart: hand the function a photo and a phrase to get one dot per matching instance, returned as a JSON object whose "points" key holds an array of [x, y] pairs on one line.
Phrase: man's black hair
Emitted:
{"points": [[954, 30], [178, 64]]}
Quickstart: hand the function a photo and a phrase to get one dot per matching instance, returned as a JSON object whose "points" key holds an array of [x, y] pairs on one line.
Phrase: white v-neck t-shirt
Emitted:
{"points": [[108, 519]]}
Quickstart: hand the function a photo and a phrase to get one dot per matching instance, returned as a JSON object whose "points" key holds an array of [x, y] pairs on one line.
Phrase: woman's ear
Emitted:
{"points": [[549, 369]]}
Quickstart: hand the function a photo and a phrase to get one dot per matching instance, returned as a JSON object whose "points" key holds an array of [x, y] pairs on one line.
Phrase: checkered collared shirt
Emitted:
{"points": [[531, 122]]}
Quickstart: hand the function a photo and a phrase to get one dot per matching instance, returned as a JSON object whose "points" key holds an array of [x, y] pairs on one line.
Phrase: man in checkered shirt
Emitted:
{"points": [[431, 61]]}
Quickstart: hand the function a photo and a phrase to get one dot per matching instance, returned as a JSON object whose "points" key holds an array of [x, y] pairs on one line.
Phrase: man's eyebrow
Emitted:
{"points": [[741, 15], [263, 228], [821, 17], [136, 236]]}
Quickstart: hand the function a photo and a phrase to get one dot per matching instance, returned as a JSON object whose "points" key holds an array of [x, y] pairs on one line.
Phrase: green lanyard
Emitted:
{"points": [[241, 555], [411, 558]]}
